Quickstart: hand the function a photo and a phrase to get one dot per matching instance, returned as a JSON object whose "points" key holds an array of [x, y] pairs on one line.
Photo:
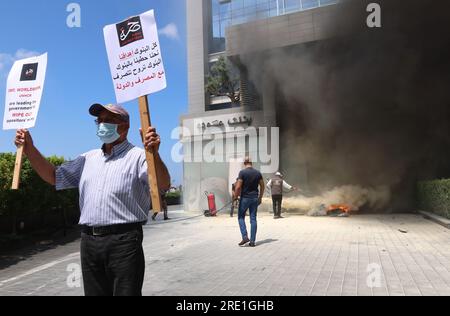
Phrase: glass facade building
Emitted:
{"points": [[226, 13]]}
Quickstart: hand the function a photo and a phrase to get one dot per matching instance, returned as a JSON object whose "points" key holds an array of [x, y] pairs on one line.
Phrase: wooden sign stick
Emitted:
{"points": [[144, 112], [17, 168]]}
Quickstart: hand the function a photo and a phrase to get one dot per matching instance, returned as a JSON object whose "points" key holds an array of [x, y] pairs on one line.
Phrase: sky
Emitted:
{"points": [[78, 74]]}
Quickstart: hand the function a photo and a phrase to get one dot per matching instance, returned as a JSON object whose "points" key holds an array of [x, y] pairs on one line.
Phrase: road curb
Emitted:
{"points": [[436, 218]]}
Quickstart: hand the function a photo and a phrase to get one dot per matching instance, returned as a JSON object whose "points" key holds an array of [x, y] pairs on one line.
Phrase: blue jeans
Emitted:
{"points": [[252, 205]]}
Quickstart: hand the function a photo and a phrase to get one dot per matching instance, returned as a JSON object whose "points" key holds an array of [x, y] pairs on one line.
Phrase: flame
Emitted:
{"points": [[343, 208]]}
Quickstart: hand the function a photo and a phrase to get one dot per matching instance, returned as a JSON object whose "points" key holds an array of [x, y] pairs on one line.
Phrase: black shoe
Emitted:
{"points": [[153, 218], [252, 244], [166, 218], [244, 242]]}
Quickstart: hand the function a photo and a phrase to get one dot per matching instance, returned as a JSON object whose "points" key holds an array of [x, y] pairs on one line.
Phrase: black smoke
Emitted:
{"points": [[369, 106]]}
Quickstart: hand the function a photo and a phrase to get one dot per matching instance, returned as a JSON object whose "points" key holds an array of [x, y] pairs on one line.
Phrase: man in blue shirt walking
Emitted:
{"points": [[114, 200], [247, 189]]}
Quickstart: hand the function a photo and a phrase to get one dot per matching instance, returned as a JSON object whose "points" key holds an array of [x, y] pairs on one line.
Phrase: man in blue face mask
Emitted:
{"points": [[114, 200], [113, 123]]}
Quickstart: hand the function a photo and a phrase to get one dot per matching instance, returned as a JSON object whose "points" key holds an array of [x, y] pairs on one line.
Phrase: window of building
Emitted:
{"points": [[309, 4], [221, 101], [226, 13], [232, 12]]}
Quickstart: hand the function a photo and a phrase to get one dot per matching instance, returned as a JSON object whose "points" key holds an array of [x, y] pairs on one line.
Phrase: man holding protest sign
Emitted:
{"points": [[137, 70], [118, 183], [114, 200]]}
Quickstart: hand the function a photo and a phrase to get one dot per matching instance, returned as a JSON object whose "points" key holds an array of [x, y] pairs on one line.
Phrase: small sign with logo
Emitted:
{"points": [[24, 91], [130, 31], [135, 58], [29, 72]]}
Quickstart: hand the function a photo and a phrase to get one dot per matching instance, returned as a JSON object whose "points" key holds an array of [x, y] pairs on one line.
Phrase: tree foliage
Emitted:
{"points": [[223, 81], [34, 196]]}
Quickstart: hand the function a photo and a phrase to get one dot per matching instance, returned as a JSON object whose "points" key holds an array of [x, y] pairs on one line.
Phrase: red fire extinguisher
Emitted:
{"points": [[211, 203]]}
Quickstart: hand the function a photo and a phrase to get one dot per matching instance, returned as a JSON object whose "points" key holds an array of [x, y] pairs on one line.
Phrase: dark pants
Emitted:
{"points": [[277, 201], [250, 204], [113, 265]]}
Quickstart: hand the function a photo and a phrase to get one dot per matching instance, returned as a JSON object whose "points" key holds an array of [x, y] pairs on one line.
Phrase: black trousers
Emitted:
{"points": [[277, 200], [113, 265]]}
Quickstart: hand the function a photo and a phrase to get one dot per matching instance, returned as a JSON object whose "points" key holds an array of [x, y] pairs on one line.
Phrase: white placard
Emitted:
{"points": [[134, 56], [24, 91]]}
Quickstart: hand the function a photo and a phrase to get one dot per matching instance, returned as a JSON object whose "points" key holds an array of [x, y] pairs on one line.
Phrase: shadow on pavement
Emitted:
{"points": [[13, 254], [16, 252], [266, 241]]}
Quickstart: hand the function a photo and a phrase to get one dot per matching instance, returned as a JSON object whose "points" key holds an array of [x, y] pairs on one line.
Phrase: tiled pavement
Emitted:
{"points": [[298, 255]]}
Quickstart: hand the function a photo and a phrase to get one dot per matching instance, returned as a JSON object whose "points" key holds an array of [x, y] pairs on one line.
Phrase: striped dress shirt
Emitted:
{"points": [[113, 188]]}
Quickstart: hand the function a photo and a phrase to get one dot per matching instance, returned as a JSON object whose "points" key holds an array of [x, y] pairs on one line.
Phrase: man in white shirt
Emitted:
{"points": [[276, 186]]}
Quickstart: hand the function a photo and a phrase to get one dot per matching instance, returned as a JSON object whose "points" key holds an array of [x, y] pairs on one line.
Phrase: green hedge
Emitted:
{"points": [[36, 202], [173, 198], [434, 196]]}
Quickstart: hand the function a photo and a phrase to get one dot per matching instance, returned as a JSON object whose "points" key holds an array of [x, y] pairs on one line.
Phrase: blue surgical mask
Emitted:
{"points": [[108, 133]]}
